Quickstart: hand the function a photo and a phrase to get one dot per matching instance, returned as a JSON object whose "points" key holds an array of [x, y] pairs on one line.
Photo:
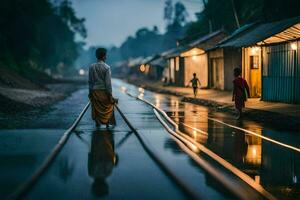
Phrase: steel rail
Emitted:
{"points": [[24, 188], [201, 162], [226, 124], [211, 154], [222, 162], [156, 159]]}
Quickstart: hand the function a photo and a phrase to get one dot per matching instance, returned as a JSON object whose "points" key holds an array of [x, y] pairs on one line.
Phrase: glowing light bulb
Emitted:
{"points": [[81, 72], [294, 46]]}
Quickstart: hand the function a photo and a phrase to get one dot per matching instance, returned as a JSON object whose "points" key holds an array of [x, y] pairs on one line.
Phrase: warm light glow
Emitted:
{"points": [[253, 155], [194, 57], [81, 72], [254, 152], [195, 134], [157, 102], [294, 46], [257, 179], [142, 68], [254, 50], [177, 64]]}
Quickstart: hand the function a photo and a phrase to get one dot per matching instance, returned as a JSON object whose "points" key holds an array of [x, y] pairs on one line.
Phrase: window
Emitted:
{"points": [[254, 62]]}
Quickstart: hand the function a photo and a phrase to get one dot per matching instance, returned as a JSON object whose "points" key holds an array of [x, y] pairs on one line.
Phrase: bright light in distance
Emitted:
{"points": [[294, 46], [157, 102], [194, 57], [81, 72], [123, 89], [141, 90], [142, 68], [141, 95], [254, 50]]}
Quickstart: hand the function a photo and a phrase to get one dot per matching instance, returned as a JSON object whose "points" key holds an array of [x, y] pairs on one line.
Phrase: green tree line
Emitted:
{"points": [[39, 34], [232, 14]]}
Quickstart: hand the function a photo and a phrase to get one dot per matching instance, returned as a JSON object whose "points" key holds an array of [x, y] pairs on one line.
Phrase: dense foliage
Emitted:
{"points": [[39, 34], [231, 14]]}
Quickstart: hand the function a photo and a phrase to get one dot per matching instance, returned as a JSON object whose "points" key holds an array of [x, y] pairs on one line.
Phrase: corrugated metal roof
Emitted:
{"points": [[258, 33], [204, 42], [205, 38], [159, 62]]}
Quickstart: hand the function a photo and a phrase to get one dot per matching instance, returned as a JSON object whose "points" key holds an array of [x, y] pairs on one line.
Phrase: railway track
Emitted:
{"points": [[187, 145]]}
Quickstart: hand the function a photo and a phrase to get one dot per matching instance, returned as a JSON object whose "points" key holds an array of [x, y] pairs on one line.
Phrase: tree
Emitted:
{"points": [[168, 12], [180, 14], [39, 34]]}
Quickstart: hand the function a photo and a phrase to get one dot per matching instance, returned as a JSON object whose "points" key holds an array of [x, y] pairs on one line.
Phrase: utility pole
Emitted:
{"points": [[235, 14], [209, 17]]}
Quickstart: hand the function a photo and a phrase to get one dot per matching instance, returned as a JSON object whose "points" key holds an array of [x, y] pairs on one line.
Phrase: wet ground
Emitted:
{"points": [[113, 164]]}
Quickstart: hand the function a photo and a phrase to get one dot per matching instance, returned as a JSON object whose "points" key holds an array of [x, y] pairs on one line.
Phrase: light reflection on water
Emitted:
{"points": [[273, 166]]}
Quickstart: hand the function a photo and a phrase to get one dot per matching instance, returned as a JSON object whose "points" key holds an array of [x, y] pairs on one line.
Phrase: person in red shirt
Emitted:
{"points": [[240, 91]]}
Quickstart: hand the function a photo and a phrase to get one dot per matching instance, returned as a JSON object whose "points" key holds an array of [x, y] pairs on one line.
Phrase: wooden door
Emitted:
{"points": [[217, 73], [253, 70]]}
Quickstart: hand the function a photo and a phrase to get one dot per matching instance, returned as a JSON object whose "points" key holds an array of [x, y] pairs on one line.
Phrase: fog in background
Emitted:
{"points": [[110, 22]]}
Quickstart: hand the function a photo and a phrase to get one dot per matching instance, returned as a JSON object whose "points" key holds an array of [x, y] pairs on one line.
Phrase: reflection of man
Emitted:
{"points": [[102, 159]]}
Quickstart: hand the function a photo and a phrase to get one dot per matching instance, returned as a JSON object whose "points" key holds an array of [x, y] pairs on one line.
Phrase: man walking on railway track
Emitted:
{"points": [[100, 91]]}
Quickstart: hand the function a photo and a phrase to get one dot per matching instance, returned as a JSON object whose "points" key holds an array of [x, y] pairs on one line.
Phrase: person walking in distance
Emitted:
{"points": [[195, 81], [240, 91]]}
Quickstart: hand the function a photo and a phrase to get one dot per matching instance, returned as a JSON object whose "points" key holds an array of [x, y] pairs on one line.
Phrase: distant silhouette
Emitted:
{"points": [[100, 91], [195, 81], [240, 91], [101, 161]]}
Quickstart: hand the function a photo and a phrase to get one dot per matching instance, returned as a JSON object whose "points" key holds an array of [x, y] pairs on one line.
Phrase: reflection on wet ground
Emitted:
{"points": [[101, 161], [109, 164], [273, 166], [21, 152], [112, 164]]}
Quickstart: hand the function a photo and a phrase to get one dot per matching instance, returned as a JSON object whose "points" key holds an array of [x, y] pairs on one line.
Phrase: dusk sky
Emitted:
{"points": [[110, 22]]}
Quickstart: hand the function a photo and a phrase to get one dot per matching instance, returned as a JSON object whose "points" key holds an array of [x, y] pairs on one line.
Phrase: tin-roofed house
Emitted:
{"points": [[135, 67], [192, 58], [171, 74], [223, 59], [156, 66], [270, 59]]}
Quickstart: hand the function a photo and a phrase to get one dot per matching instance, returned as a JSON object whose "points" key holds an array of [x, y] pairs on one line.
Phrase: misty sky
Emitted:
{"points": [[110, 22]]}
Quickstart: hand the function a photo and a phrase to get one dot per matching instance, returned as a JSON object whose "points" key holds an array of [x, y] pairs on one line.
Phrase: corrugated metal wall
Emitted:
{"points": [[281, 73]]}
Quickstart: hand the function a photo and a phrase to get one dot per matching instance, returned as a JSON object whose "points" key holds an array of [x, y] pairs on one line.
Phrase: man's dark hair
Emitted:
{"points": [[237, 71], [100, 53]]}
